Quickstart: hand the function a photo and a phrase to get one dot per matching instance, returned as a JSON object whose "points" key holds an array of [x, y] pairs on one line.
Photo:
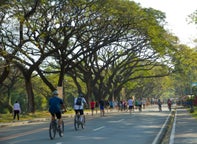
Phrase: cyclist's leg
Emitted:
{"points": [[77, 114], [52, 116], [59, 117], [81, 114]]}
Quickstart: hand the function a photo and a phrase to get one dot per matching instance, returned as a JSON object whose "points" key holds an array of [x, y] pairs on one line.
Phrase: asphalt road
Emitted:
{"points": [[117, 127]]}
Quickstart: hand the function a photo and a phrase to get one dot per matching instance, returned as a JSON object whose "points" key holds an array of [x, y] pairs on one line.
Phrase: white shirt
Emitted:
{"points": [[79, 107], [17, 106]]}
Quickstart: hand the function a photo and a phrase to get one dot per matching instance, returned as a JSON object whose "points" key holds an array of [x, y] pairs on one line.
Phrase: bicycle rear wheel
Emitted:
{"points": [[76, 122], [83, 122], [52, 130], [61, 130]]}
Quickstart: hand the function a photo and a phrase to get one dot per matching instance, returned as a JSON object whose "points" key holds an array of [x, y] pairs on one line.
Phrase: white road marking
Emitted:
{"points": [[157, 137], [99, 128], [116, 121]]}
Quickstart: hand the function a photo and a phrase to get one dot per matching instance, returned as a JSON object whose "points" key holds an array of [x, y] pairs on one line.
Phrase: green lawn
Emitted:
{"points": [[43, 114], [30, 116], [194, 114]]}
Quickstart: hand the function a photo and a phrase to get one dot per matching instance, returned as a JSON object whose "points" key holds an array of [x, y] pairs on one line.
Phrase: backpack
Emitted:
{"points": [[79, 101]]}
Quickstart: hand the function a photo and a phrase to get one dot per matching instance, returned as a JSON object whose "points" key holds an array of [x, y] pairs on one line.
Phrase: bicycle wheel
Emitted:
{"points": [[61, 130], [76, 122], [52, 130], [83, 122]]}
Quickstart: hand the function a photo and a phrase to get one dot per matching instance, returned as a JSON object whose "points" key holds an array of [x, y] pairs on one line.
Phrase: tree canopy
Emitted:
{"points": [[103, 46]]}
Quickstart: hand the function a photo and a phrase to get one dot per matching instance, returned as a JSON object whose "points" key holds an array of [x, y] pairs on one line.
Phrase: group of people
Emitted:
{"points": [[56, 105]]}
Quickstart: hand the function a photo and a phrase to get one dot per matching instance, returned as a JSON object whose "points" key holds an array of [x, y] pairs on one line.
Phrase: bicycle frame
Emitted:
{"points": [[78, 122], [53, 128]]}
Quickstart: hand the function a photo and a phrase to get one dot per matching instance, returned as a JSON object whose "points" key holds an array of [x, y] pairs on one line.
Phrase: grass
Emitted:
{"points": [[194, 114], [23, 117], [42, 114]]}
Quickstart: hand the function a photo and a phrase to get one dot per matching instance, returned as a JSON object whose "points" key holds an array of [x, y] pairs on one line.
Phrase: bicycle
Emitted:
{"points": [[53, 129], [78, 122]]}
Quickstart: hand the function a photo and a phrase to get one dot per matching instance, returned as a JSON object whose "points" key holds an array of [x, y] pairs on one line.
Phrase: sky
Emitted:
{"points": [[177, 12]]}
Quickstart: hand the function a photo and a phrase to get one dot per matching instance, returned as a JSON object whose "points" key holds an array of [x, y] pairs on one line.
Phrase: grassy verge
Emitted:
{"points": [[194, 114], [23, 117], [42, 114]]}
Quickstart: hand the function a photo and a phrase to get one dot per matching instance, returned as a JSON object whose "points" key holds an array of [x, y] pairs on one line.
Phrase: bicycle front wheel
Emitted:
{"points": [[52, 130], [61, 130]]}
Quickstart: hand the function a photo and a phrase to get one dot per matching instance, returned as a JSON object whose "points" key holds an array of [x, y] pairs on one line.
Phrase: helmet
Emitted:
{"points": [[55, 92], [80, 95]]}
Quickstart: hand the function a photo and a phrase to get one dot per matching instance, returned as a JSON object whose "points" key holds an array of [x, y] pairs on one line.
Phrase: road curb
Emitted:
{"points": [[165, 129]]}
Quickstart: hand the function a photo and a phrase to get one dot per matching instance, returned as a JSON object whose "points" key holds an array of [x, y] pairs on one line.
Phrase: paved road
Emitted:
{"points": [[138, 128]]}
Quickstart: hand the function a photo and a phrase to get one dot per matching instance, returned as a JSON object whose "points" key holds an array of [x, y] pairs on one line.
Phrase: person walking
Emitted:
{"points": [[130, 104], [102, 107], [169, 104], [17, 110], [56, 105], [159, 105], [92, 106], [140, 104]]}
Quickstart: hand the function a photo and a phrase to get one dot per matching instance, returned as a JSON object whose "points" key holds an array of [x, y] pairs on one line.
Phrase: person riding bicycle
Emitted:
{"points": [[79, 105], [56, 104]]}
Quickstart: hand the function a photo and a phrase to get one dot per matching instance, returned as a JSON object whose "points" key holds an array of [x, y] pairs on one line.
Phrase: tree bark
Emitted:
{"points": [[30, 95]]}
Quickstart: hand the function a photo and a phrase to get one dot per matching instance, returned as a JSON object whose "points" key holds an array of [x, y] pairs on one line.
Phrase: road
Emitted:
{"points": [[117, 127]]}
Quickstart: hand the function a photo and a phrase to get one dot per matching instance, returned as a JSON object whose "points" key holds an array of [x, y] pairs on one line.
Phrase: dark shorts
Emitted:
{"points": [[58, 115], [80, 111], [16, 111], [130, 107], [101, 107]]}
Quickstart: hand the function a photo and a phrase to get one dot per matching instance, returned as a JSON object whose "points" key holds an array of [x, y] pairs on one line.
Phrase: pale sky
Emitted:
{"points": [[177, 12]]}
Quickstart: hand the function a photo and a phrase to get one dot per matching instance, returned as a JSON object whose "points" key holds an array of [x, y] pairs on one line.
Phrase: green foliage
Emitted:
{"points": [[194, 114], [103, 46]]}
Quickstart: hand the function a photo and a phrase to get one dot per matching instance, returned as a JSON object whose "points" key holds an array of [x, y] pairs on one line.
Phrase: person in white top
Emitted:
{"points": [[130, 104], [17, 110], [79, 105]]}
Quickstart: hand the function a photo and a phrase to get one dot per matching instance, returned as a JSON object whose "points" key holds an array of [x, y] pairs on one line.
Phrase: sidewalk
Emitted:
{"points": [[185, 128]]}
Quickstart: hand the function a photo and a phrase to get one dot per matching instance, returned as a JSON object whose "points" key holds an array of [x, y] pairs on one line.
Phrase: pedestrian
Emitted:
{"points": [[96, 106], [92, 106], [159, 105], [140, 104], [17, 110], [102, 107], [130, 104], [169, 102]]}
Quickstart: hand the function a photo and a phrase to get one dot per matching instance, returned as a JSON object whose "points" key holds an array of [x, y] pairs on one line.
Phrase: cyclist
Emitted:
{"points": [[56, 104], [79, 106]]}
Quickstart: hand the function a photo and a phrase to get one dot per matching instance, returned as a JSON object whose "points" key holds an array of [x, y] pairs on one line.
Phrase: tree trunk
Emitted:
{"points": [[30, 95]]}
